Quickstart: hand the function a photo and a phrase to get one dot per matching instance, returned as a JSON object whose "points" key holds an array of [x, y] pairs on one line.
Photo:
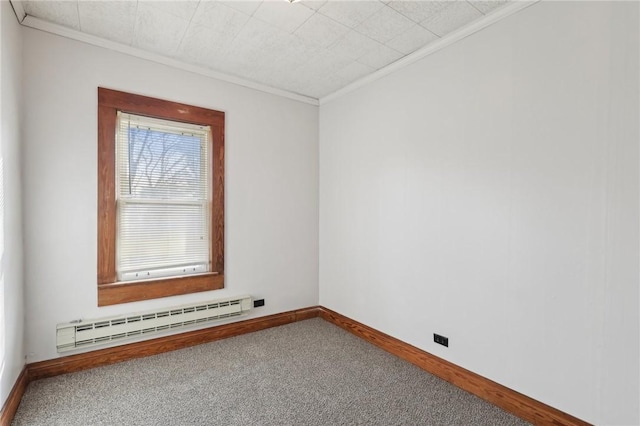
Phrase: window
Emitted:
{"points": [[160, 198]]}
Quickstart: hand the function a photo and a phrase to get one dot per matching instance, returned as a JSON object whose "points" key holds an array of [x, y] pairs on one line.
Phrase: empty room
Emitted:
{"points": [[317, 212]]}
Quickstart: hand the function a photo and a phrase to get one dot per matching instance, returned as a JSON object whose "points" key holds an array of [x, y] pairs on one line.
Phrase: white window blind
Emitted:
{"points": [[162, 197]]}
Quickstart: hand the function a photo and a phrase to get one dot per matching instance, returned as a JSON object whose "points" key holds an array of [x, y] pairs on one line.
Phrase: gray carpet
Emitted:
{"points": [[306, 373]]}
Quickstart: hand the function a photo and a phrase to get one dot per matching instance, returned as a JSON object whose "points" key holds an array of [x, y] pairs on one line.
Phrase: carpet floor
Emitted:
{"points": [[306, 373]]}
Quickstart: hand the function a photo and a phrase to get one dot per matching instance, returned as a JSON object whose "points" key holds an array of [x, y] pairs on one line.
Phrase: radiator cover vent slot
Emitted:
{"points": [[82, 334]]}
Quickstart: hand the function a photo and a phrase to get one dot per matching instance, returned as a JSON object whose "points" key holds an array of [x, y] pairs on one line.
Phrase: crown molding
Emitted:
{"points": [[39, 24], [18, 9], [432, 48], [487, 20]]}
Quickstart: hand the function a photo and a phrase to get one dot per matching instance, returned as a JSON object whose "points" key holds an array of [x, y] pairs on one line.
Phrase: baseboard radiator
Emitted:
{"points": [[87, 333]]}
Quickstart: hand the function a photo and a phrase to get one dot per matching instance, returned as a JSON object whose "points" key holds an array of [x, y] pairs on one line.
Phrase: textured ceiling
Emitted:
{"points": [[310, 47]]}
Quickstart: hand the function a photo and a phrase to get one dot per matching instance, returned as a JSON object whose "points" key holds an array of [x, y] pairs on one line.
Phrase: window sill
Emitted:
{"points": [[134, 291]]}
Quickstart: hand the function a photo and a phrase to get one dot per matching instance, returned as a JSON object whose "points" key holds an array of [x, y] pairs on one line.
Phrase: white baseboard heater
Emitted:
{"points": [[87, 333]]}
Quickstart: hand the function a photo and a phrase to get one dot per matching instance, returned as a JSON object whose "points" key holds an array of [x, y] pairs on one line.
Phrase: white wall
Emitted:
{"points": [[271, 184], [489, 193], [12, 350]]}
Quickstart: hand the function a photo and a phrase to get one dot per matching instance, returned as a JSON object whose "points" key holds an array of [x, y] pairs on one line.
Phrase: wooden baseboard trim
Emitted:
{"points": [[15, 396], [509, 400], [101, 357]]}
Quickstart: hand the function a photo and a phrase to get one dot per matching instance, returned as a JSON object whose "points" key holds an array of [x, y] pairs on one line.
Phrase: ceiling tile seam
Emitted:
{"points": [[378, 11], [331, 19], [403, 14], [436, 35], [252, 13], [448, 39], [195, 9], [279, 28], [386, 43], [471, 3], [406, 31], [351, 28], [305, 21], [322, 49], [134, 36], [440, 13], [78, 12], [235, 36], [59, 30], [332, 45]]}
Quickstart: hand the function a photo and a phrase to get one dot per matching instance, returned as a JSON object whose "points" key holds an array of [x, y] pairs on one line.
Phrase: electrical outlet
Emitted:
{"points": [[441, 340], [258, 303]]}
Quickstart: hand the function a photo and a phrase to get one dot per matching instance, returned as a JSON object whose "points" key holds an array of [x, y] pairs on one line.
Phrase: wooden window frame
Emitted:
{"points": [[110, 290]]}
